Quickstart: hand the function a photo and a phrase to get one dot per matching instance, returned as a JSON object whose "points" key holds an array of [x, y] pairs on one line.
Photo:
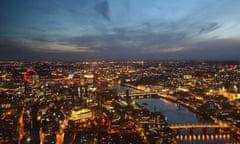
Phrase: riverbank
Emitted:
{"points": [[182, 116], [174, 99], [190, 107]]}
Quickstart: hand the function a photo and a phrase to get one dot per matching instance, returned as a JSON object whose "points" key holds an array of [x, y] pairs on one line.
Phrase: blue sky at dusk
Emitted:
{"points": [[119, 30]]}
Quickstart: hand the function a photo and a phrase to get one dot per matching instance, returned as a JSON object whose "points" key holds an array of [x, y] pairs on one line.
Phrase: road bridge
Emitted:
{"points": [[204, 127], [142, 95], [146, 95], [195, 126]]}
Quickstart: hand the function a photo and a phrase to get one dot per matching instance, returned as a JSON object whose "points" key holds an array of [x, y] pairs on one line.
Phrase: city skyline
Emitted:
{"points": [[119, 30]]}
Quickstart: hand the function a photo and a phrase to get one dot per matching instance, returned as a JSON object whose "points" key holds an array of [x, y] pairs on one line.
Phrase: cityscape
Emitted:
{"points": [[119, 72], [120, 102]]}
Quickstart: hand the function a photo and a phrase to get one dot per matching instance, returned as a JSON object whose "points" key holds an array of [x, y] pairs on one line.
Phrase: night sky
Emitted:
{"points": [[119, 30]]}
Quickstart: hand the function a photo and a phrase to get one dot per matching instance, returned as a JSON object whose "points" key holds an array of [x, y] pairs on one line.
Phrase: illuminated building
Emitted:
{"points": [[229, 95], [81, 114]]}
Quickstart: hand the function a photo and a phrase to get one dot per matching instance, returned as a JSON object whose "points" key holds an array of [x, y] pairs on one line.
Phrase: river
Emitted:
{"points": [[176, 114]]}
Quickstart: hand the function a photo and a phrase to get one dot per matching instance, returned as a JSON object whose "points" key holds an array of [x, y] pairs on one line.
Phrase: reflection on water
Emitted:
{"points": [[169, 102], [176, 114], [202, 136], [206, 138]]}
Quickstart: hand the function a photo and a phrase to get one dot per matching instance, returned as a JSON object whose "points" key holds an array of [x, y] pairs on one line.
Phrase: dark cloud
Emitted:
{"points": [[35, 29], [220, 49], [103, 9], [125, 43], [40, 39], [118, 30], [209, 28], [216, 50], [16, 52], [224, 49]]}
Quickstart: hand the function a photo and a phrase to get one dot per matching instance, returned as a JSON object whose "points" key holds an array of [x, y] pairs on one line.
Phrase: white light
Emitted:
{"points": [[28, 139], [70, 76]]}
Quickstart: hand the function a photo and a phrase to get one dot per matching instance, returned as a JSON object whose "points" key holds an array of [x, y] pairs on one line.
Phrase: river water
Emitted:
{"points": [[176, 114]]}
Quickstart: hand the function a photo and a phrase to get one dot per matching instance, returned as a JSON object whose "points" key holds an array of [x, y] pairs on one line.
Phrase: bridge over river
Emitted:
{"points": [[195, 126], [179, 119], [214, 128]]}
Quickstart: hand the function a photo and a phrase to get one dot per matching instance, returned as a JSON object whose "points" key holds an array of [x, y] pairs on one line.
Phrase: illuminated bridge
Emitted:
{"points": [[204, 127], [146, 95], [192, 135], [195, 126], [142, 95]]}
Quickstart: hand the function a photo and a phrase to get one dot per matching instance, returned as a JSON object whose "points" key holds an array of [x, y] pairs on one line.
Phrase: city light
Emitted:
{"points": [[113, 104]]}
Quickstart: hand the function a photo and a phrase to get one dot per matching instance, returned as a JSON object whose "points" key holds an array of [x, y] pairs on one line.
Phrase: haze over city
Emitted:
{"points": [[119, 30]]}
